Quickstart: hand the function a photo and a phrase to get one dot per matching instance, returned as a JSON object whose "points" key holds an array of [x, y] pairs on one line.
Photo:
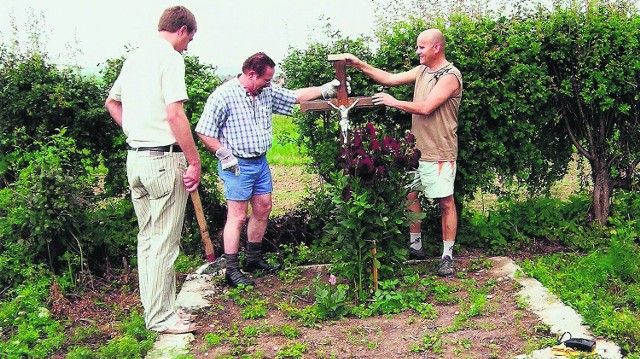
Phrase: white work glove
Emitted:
{"points": [[228, 161], [330, 89]]}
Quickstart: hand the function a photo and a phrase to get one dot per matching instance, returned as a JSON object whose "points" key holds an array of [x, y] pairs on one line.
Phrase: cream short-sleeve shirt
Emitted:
{"points": [[151, 78]]}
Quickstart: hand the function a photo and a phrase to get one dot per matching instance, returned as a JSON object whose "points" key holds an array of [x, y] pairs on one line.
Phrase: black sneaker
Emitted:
{"points": [[417, 254], [261, 265], [445, 268], [236, 278]]}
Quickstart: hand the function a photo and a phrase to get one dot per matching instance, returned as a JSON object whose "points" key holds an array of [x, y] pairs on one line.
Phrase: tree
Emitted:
{"points": [[592, 51]]}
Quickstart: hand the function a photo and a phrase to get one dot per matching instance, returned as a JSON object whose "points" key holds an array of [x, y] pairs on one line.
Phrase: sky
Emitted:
{"points": [[229, 31]]}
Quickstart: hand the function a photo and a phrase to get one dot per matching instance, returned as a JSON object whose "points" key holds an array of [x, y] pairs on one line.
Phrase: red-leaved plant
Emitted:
{"points": [[369, 199]]}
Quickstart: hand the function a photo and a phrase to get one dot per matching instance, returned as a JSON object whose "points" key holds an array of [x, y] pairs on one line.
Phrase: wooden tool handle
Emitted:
{"points": [[202, 223]]}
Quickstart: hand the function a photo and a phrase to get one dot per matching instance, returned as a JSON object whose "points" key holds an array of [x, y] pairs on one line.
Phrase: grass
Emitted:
{"points": [[603, 286], [285, 150]]}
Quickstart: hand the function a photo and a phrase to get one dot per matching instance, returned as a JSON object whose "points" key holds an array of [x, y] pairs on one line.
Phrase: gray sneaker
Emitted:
{"points": [[417, 254], [445, 268]]}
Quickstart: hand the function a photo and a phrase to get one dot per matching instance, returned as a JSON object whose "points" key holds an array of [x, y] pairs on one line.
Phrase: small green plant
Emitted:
{"points": [[292, 351], [444, 294], [290, 275], [286, 330], [480, 264], [251, 331], [307, 316], [429, 342], [186, 264], [256, 309], [522, 302], [213, 339], [331, 299], [461, 346]]}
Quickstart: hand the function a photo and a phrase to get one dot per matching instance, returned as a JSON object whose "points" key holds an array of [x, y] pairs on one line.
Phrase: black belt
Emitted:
{"points": [[252, 158], [167, 148]]}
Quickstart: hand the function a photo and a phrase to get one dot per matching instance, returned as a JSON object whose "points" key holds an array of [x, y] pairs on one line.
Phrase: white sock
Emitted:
{"points": [[448, 248], [415, 240]]}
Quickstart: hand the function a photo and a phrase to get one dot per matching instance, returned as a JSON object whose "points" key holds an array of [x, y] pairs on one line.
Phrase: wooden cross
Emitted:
{"points": [[343, 103]]}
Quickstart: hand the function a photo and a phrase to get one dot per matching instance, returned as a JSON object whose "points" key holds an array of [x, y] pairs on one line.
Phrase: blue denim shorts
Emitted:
{"points": [[254, 179]]}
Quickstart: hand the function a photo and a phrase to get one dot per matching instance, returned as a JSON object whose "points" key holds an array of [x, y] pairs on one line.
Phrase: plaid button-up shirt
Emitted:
{"points": [[241, 122]]}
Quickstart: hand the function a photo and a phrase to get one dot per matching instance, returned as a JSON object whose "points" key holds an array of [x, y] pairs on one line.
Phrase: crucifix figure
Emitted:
{"points": [[342, 103]]}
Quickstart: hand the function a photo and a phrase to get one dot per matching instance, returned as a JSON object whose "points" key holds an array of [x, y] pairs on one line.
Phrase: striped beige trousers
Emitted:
{"points": [[159, 199]]}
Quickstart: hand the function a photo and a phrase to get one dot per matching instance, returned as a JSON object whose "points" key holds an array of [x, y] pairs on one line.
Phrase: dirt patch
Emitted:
{"points": [[501, 328], [93, 315], [290, 185]]}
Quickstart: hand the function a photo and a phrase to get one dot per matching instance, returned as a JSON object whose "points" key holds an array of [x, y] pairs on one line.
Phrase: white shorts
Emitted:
{"points": [[435, 179]]}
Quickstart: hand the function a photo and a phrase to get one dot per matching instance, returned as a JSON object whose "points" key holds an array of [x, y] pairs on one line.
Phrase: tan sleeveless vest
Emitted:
{"points": [[435, 134]]}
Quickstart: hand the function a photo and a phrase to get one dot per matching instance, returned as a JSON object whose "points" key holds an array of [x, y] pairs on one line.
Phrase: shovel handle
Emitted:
{"points": [[202, 224]]}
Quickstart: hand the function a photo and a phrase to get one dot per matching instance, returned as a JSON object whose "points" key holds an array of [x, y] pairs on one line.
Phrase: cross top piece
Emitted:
{"points": [[342, 103], [342, 98]]}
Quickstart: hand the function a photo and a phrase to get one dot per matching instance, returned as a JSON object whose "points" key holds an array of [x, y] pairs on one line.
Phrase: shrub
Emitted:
{"points": [[44, 210], [368, 207], [514, 225]]}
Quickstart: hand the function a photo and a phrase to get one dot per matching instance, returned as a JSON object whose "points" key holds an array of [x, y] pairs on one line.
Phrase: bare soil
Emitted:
{"points": [[502, 329]]}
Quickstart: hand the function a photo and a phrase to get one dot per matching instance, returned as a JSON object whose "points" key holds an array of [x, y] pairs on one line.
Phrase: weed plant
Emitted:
{"points": [[27, 329]]}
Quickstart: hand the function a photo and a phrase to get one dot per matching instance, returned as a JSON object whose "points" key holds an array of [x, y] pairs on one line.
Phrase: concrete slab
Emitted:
{"points": [[169, 346], [193, 296], [195, 291]]}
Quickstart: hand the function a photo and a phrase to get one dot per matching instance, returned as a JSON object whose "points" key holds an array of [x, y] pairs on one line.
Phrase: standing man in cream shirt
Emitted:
{"points": [[163, 164]]}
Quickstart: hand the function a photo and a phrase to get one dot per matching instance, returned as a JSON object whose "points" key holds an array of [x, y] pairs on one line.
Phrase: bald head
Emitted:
{"points": [[432, 36], [430, 48]]}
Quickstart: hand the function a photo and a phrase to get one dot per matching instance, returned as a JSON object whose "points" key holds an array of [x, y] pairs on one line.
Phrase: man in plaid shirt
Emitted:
{"points": [[236, 125]]}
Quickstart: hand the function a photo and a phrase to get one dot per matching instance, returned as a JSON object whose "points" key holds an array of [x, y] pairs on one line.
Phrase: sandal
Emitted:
{"points": [[181, 327]]}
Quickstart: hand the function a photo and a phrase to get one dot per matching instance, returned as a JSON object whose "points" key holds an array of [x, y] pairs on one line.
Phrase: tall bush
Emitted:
{"points": [[505, 118], [42, 98], [44, 211]]}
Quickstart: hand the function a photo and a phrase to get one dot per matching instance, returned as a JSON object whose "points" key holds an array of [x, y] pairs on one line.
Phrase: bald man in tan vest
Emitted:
{"points": [[434, 109]]}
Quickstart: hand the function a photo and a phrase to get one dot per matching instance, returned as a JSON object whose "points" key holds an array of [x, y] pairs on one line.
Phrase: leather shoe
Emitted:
{"points": [[261, 265], [236, 278]]}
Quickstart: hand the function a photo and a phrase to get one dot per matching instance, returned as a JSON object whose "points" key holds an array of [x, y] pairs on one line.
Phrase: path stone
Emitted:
{"points": [[169, 346], [559, 317]]}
